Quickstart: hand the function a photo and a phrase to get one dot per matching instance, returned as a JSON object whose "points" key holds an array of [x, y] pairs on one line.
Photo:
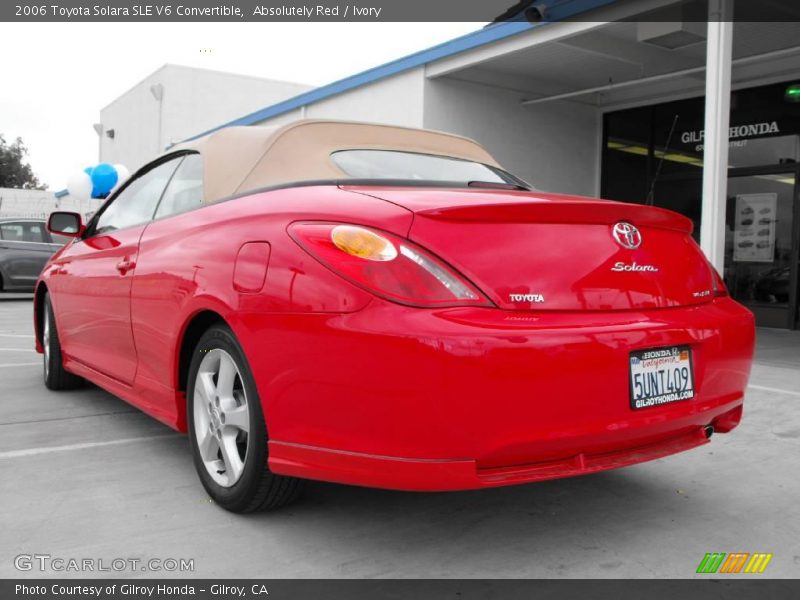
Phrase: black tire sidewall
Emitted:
{"points": [[53, 356], [239, 495]]}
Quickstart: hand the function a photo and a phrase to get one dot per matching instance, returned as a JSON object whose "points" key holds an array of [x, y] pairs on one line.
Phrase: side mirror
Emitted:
{"points": [[69, 224]]}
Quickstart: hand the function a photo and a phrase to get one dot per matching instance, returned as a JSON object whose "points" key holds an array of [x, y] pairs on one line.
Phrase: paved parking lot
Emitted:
{"points": [[84, 475]]}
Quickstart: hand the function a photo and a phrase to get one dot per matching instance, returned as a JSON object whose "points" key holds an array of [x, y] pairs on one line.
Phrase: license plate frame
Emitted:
{"points": [[666, 372]]}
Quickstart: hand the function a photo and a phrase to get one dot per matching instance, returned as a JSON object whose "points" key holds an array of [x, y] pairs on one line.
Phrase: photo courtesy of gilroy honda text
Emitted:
{"points": [[389, 307]]}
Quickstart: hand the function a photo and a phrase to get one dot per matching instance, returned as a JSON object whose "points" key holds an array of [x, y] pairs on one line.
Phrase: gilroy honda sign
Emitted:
{"points": [[735, 133]]}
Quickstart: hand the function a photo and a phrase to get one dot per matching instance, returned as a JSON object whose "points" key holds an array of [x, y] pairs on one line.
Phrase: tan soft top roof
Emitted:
{"points": [[239, 159]]}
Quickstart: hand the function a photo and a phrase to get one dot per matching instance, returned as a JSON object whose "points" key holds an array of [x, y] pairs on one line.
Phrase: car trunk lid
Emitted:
{"points": [[530, 250]]}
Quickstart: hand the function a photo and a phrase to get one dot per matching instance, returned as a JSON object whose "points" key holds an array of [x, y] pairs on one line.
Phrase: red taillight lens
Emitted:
{"points": [[386, 265]]}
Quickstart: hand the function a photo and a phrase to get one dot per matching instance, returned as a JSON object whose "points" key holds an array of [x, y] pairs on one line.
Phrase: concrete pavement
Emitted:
{"points": [[84, 475]]}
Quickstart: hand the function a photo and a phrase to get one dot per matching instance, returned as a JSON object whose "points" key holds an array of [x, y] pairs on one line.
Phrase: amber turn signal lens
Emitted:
{"points": [[363, 243]]}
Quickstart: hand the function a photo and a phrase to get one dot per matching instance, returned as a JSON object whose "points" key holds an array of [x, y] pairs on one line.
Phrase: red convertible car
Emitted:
{"points": [[388, 307]]}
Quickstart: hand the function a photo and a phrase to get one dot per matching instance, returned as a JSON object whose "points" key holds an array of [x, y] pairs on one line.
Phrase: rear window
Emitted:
{"points": [[391, 164], [22, 231]]}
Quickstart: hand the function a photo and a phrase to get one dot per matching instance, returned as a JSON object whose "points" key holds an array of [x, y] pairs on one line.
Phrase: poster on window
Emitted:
{"points": [[754, 228]]}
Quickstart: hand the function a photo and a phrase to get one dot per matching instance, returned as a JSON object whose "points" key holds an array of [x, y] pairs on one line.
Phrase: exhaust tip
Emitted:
{"points": [[708, 430]]}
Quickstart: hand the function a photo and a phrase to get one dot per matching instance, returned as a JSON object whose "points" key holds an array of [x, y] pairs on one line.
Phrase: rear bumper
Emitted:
{"points": [[450, 475], [453, 399]]}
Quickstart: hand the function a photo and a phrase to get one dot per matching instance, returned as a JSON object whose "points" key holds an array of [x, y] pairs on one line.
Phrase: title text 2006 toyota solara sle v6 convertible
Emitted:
{"points": [[388, 307]]}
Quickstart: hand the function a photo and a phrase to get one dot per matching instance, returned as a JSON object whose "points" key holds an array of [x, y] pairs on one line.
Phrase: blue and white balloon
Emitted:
{"points": [[104, 178], [80, 185], [97, 181], [122, 174]]}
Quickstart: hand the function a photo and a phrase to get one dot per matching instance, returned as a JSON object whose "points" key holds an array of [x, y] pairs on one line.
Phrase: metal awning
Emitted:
{"points": [[605, 64]]}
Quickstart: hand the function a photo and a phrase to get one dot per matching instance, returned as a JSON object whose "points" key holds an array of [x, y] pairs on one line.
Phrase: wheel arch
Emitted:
{"points": [[193, 330]]}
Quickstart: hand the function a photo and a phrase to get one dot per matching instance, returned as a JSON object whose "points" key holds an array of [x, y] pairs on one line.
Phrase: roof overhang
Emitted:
{"points": [[620, 59]]}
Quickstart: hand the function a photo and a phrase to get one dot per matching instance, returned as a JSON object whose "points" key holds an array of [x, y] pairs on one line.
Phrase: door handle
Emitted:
{"points": [[125, 265]]}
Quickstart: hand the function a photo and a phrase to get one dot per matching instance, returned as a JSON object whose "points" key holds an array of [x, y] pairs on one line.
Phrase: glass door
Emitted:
{"points": [[761, 245]]}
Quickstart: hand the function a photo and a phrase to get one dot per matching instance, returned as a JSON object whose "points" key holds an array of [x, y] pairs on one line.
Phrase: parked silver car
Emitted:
{"points": [[25, 246]]}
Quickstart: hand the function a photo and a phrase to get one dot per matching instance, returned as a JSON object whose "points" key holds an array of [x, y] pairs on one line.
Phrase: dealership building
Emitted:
{"points": [[701, 118], [173, 103]]}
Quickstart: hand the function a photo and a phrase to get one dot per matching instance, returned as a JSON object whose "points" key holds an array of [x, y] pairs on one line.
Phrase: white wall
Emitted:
{"points": [[395, 100], [554, 146], [194, 100], [38, 204]]}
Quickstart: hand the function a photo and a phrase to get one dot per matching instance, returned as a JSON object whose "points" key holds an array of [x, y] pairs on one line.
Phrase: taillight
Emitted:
{"points": [[719, 284], [386, 265]]}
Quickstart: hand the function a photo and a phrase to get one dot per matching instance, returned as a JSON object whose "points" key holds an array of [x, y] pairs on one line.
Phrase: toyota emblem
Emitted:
{"points": [[627, 235]]}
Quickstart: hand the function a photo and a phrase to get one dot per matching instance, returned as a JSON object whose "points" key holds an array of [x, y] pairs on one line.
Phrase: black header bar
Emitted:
{"points": [[477, 11]]}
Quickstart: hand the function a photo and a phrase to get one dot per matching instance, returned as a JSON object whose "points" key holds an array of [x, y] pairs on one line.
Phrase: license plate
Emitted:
{"points": [[660, 376]]}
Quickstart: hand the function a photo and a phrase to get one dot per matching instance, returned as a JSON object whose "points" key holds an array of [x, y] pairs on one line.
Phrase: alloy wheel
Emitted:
{"points": [[221, 417]]}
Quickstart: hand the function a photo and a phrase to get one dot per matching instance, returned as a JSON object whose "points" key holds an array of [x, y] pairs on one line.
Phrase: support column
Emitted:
{"points": [[717, 122]]}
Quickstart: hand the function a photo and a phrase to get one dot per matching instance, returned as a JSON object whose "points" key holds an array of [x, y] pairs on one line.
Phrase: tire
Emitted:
{"points": [[55, 377], [227, 430]]}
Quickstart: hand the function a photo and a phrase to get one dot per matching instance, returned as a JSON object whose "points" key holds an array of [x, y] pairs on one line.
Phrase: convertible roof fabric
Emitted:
{"points": [[240, 159]]}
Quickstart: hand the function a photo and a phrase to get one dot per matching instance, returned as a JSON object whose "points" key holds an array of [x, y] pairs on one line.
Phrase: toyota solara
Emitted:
{"points": [[388, 307]]}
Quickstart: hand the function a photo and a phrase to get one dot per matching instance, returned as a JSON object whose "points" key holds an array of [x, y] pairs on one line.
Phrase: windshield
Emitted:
{"points": [[392, 164]]}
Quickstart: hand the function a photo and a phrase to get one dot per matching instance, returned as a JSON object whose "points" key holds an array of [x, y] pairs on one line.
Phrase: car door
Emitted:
{"points": [[92, 286], [24, 250], [164, 277]]}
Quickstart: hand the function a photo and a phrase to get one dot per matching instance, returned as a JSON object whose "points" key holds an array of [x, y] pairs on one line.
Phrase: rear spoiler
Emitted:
{"points": [[586, 212]]}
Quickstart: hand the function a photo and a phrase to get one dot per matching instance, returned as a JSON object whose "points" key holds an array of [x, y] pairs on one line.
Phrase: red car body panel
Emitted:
{"points": [[94, 300], [359, 390], [488, 389]]}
